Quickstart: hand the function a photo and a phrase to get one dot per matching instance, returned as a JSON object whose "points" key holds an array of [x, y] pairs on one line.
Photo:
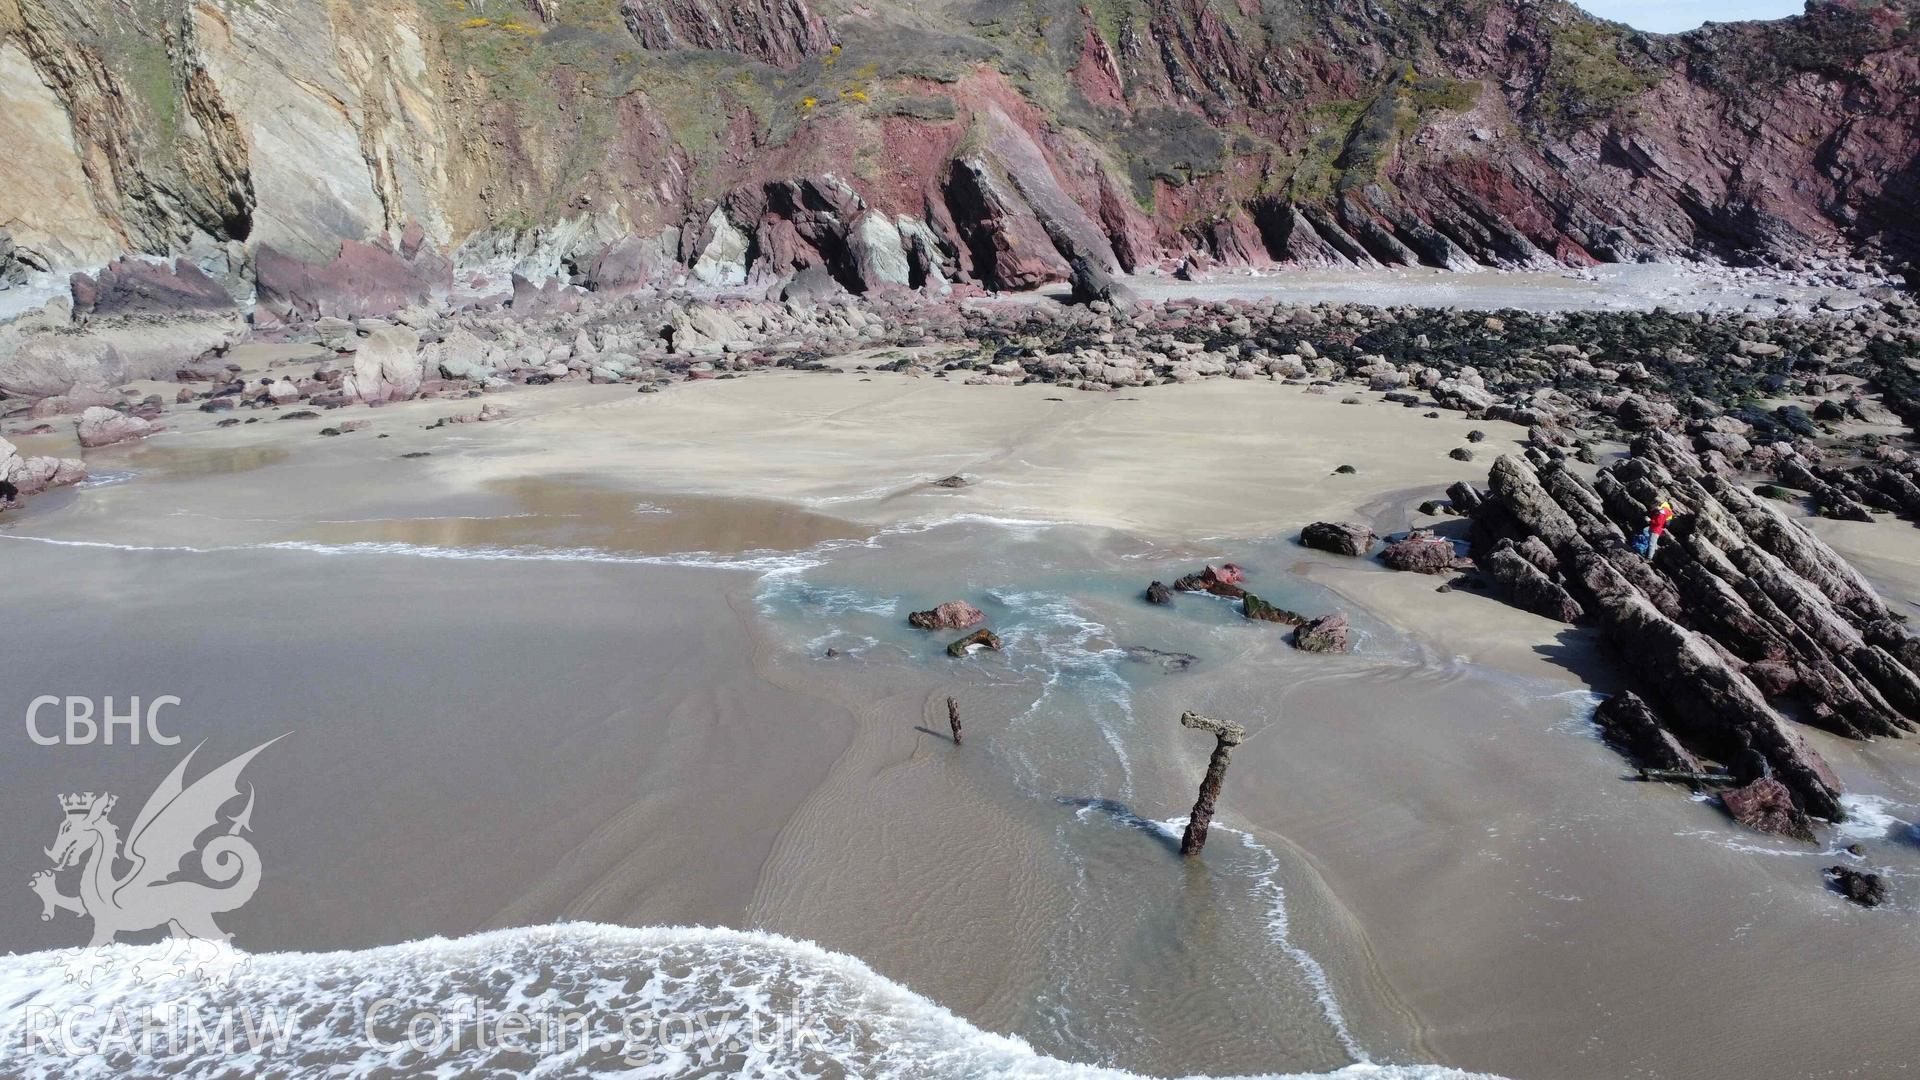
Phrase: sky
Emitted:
{"points": [[1669, 16]]}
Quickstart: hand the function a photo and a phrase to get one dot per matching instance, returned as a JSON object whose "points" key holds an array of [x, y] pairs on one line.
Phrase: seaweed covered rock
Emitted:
{"points": [[1259, 610], [1328, 633]]}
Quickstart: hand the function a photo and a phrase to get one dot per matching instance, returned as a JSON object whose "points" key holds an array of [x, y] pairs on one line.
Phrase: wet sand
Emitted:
{"points": [[487, 735]]}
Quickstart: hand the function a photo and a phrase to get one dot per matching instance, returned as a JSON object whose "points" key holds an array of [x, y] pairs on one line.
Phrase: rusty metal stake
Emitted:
{"points": [[1227, 735]]}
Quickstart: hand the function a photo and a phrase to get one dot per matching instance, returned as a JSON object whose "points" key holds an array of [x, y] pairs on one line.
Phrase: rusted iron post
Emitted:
{"points": [[1227, 735]]}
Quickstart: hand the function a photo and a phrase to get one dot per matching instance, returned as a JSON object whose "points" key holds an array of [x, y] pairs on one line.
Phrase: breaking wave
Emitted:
{"points": [[591, 1000]]}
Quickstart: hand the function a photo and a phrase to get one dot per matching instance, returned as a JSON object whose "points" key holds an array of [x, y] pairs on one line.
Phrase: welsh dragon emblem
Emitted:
{"points": [[150, 894]]}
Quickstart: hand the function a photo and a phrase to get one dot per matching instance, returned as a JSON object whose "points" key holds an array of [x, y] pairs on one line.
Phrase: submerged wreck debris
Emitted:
{"points": [[982, 638], [1741, 618], [1227, 735], [1164, 660], [1328, 633], [953, 719]]}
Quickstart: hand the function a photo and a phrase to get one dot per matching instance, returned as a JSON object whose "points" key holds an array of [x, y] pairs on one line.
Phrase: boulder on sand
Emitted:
{"points": [[1339, 537], [952, 615], [103, 427], [387, 366], [1421, 552]]}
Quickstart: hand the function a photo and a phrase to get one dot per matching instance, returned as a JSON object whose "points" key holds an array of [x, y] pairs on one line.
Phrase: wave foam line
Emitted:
{"points": [[764, 561], [859, 1022]]}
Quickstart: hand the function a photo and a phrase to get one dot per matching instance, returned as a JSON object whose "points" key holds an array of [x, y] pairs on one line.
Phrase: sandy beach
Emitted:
{"points": [[570, 667]]}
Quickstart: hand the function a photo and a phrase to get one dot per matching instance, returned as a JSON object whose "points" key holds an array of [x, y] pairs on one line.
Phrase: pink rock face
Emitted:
{"points": [[952, 615], [363, 280], [1228, 574], [103, 427], [1765, 806], [1422, 553], [1010, 248], [137, 287]]}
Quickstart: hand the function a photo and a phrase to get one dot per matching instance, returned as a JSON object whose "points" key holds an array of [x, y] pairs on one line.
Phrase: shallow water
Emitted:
{"points": [[514, 709]]}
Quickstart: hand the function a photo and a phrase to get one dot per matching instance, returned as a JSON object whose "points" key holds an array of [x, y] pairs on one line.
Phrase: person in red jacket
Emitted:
{"points": [[1657, 526]]}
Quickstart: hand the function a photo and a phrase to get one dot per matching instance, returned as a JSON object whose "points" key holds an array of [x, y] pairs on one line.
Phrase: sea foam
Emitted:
{"points": [[651, 1001]]}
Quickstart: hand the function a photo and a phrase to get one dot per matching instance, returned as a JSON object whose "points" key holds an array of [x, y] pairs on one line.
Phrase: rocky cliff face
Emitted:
{"points": [[613, 142]]}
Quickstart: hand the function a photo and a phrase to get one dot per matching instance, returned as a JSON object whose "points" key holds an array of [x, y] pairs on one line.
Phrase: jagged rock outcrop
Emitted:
{"points": [[1527, 585], [1631, 726], [1741, 612], [778, 32]]}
